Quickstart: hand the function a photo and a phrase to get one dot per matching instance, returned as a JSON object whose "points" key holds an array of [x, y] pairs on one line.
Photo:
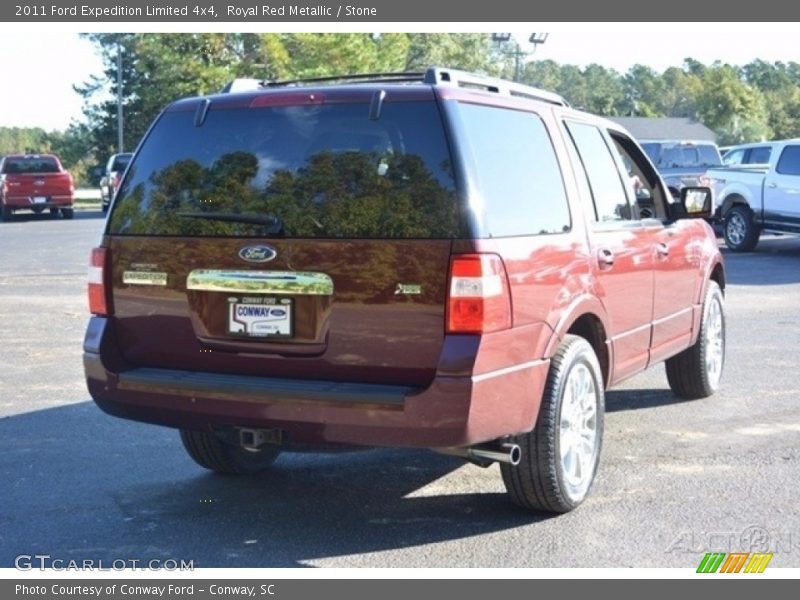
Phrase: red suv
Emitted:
{"points": [[435, 260]]}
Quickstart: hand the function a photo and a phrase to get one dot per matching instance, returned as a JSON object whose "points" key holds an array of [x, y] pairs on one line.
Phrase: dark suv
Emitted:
{"points": [[435, 260]]}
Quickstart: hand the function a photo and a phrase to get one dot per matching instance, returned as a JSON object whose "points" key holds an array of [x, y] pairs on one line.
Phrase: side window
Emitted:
{"points": [[608, 190], [734, 157], [643, 182], [789, 162], [517, 171], [759, 155]]}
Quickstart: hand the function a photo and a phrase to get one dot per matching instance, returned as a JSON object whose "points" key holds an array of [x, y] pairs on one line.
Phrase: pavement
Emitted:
{"points": [[677, 478]]}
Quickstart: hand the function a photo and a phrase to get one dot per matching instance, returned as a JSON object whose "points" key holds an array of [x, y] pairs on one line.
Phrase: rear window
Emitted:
{"points": [[120, 162], [322, 171], [680, 156], [40, 164]]}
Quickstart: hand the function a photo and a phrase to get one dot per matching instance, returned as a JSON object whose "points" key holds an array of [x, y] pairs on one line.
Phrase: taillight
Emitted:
{"points": [[478, 299], [99, 289], [115, 182]]}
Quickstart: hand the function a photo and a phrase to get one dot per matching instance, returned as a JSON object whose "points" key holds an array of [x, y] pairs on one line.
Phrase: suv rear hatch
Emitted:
{"points": [[292, 234]]}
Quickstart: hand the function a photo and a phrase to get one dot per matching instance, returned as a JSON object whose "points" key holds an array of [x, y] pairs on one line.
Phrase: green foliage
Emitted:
{"points": [[759, 100]]}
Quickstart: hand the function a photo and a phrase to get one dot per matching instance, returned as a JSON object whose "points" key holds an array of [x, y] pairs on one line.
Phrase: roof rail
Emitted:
{"points": [[433, 76], [441, 76], [357, 78]]}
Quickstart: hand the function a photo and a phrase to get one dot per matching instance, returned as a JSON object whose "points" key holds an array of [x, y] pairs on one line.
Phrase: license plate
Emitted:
{"points": [[260, 317], [39, 199]]}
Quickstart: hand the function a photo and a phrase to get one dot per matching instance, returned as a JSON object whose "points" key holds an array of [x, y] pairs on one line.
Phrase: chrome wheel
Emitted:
{"points": [[578, 431], [736, 228], [714, 342]]}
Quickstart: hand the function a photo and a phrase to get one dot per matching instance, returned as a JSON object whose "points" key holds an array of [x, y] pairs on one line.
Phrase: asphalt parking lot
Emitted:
{"points": [[677, 479]]}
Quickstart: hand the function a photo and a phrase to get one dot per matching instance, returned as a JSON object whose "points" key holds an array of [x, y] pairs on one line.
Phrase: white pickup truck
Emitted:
{"points": [[753, 198]]}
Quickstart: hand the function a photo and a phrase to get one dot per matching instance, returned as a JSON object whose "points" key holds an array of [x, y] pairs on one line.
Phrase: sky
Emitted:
{"points": [[36, 89]]}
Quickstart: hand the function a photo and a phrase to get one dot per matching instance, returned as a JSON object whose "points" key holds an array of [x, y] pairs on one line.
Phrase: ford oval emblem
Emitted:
{"points": [[257, 254]]}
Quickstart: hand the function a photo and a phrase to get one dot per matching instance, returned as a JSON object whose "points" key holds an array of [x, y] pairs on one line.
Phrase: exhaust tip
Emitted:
{"points": [[514, 454]]}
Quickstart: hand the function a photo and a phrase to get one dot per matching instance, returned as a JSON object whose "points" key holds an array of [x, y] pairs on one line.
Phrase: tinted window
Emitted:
{"points": [[40, 164], [734, 157], [120, 162], [671, 155], [608, 191], [517, 171], [789, 163], [321, 171], [760, 155]]}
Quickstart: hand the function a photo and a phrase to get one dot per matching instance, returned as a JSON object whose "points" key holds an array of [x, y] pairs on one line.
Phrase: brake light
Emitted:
{"points": [[115, 182], [99, 303], [478, 300]]}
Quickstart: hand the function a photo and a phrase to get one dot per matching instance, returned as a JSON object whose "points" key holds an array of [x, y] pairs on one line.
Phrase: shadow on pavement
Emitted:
{"points": [[80, 484], [619, 400], [80, 214], [775, 261]]}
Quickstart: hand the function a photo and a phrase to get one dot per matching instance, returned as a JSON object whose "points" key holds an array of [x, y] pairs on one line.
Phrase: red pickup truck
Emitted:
{"points": [[35, 182]]}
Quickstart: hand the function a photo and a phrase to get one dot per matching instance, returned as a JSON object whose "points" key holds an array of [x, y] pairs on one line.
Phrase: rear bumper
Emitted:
{"points": [[20, 202], [452, 411]]}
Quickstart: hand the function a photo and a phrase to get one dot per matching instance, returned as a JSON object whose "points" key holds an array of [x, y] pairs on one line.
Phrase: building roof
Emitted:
{"points": [[666, 128]]}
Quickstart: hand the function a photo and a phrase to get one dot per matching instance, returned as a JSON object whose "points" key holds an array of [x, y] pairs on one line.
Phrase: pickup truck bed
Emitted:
{"points": [[36, 183]]}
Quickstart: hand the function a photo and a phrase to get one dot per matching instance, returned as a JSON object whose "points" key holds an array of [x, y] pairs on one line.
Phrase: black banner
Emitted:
{"points": [[327, 11]]}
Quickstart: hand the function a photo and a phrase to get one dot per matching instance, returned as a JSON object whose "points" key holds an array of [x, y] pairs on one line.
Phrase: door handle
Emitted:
{"points": [[662, 249], [605, 258], [772, 185]]}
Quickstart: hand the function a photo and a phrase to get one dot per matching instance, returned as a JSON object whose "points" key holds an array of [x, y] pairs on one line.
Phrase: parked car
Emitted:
{"points": [[682, 163], [35, 182], [748, 154], [115, 168], [749, 199], [445, 261]]}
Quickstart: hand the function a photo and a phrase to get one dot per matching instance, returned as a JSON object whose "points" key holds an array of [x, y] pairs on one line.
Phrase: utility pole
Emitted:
{"points": [[120, 140], [503, 39]]}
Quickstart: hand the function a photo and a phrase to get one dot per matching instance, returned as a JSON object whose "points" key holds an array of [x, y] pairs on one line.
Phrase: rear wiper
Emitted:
{"points": [[272, 223]]}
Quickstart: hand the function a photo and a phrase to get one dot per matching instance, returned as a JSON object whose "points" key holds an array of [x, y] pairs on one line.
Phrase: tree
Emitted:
{"points": [[733, 109]]}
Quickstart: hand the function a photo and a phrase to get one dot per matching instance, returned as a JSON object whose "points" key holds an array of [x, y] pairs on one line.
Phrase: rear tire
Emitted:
{"points": [[560, 456], [67, 213], [6, 213], [740, 232], [208, 451], [696, 372]]}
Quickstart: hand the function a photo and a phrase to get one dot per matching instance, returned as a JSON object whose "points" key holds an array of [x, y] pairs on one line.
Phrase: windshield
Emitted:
{"points": [[322, 171]]}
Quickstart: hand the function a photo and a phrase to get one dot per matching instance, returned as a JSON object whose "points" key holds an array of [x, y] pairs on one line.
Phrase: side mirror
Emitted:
{"points": [[696, 201]]}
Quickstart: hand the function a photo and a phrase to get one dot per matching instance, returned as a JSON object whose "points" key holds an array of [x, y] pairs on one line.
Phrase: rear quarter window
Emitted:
{"points": [[519, 178]]}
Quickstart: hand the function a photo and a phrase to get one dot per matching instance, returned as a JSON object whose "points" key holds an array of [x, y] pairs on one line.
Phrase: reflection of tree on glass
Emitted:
{"points": [[346, 177]]}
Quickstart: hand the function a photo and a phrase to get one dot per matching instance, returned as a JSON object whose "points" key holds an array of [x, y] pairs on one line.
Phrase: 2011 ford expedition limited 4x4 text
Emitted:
{"points": [[435, 260]]}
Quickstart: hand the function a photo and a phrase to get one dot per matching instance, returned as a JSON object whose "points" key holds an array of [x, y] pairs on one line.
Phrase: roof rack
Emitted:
{"points": [[432, 76], [440, 76], [358, 78]]}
